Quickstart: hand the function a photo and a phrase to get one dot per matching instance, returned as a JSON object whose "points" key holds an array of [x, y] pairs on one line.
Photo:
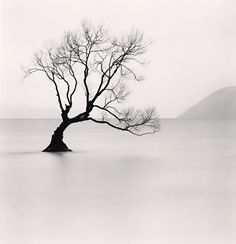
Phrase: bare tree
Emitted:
{"points": [[99, 65]]}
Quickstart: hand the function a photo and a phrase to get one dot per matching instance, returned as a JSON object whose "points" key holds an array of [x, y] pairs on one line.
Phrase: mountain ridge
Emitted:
{"points": [[220, 104]]}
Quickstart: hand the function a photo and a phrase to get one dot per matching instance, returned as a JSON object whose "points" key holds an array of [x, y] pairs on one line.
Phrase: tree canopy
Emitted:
{"points": [[91, 61]]}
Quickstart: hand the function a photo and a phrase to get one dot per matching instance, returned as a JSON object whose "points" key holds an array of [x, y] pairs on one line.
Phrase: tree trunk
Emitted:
{"points": [[57, 144]]}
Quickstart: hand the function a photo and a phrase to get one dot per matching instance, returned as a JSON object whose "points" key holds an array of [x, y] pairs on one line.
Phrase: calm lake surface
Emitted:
{"points": [[177, 186]]}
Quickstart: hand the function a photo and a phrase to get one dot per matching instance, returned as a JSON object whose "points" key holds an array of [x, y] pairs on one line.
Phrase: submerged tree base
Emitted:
{"points": [[57, 147]]}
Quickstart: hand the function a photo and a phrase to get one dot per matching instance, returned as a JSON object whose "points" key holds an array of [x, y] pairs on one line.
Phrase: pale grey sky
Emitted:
{"points": [[193, 55]]}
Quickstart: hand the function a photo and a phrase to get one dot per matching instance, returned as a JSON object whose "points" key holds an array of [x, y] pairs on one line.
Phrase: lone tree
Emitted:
{"points": [[98, 65]]}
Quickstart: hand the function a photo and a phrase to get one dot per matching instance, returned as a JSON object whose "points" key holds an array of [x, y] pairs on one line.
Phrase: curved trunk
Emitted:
{"points": [[57, 144]]}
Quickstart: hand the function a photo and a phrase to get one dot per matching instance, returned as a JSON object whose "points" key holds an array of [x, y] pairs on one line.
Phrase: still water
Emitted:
{"points": [[177, 186]]}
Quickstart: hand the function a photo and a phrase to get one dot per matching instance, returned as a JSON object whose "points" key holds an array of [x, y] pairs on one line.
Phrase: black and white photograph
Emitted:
{"points": [[117, 122]]}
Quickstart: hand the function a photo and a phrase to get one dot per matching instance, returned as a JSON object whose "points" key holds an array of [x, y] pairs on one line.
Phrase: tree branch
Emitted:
{"points": [[71, 64]]}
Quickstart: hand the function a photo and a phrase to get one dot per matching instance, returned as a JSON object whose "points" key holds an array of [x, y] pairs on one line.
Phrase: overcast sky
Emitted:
{"points": [[193, 55]]}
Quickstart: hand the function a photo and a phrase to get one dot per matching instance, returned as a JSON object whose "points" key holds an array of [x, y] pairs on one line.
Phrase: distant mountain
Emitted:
{"points": [[221, 104], [20, 112]]}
